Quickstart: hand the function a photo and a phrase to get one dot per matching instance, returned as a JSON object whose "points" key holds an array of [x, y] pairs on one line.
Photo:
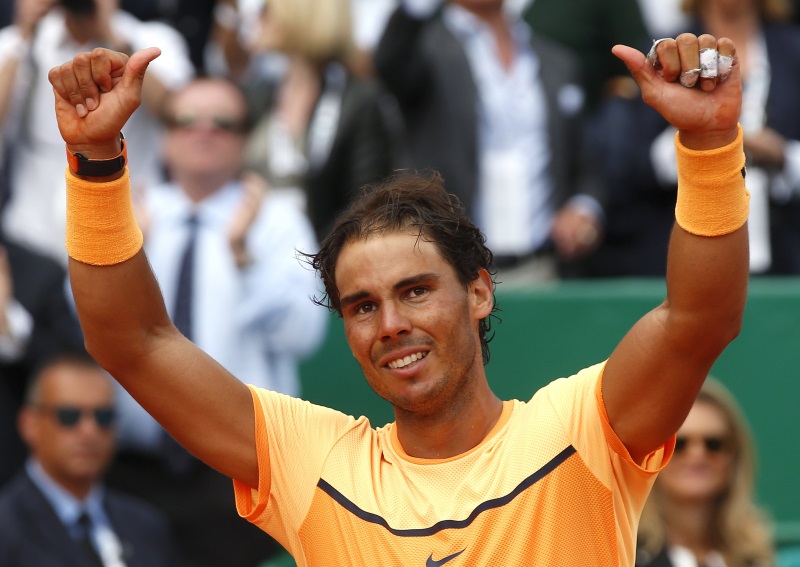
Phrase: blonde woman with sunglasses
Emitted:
{"points": [[701, 512]]}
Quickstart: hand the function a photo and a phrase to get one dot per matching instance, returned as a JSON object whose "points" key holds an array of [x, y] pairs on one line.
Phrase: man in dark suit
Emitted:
{"points": [[498, 112], [56, 512], [36, 321]]}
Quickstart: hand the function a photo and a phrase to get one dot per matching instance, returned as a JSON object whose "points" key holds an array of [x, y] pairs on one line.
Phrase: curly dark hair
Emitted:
{"points": [[409, 200]]}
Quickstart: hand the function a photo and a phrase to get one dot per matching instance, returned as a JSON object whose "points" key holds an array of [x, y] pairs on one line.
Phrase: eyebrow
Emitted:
{"points": [[415, 279]]}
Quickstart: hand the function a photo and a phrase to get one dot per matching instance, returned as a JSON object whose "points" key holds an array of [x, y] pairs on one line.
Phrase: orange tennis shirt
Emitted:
{"points": [[551, 485]]}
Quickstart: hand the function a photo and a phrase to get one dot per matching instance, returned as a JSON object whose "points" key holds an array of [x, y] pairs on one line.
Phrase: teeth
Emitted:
{"points": [[401, 362]]}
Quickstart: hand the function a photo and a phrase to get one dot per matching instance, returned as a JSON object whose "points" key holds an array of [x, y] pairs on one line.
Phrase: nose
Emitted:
{"points": [[394, 322]]}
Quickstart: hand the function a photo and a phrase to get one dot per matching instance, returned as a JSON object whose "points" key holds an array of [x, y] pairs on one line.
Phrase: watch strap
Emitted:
{"points": [[81, 165]]}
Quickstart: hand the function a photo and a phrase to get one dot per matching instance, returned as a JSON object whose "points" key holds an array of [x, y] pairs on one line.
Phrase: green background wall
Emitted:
{"points": [[556, 330]]}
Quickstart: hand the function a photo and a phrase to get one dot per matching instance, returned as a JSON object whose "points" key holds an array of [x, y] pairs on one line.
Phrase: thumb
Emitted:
{"points": [[636, 62], [137, 66]]}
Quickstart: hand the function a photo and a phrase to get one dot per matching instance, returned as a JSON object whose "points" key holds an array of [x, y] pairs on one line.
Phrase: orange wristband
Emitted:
{"points": [[712, 197], [101, 226]]}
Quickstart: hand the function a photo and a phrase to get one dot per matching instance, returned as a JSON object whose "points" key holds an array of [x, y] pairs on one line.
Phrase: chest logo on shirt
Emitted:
{"points": [[431, 562]]}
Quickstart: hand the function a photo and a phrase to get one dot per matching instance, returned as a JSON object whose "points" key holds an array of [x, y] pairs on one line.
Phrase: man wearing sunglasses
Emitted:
{"points": [[57, 511]]}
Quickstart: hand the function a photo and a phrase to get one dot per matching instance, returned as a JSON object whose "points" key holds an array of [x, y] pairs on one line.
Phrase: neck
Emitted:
{"points": [[689, 525], [738, 23], [303, 69], [79, 490], [494, 17], [82, 28], [77, 487], [199, 187], [440, 435]]}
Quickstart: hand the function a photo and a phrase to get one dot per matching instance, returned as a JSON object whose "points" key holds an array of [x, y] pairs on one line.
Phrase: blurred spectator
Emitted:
{"points": [[321, 132], [224, 250], [640, 145], [57, 511], [701, 511], [497, 111], [45, 34], [191, 18], [36, 322], [590, 29]]}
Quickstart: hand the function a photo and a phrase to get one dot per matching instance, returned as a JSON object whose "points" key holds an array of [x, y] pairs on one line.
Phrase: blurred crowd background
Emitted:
{"points": [[263, 118]]}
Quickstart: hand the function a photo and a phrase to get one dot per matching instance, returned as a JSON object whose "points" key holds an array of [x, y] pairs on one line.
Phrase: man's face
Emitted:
{"points": [[74, 452], [702, 468], [205, 135], [411, 324]]}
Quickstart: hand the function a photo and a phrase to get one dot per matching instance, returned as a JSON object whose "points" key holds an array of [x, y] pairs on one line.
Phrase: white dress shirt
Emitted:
{"points": [[513, 208], [257, 322], [68, 509]]}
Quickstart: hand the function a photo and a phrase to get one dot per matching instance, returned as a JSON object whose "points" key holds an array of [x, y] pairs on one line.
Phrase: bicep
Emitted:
{"points": [[207, 409], [654, 374], [649, 384]]}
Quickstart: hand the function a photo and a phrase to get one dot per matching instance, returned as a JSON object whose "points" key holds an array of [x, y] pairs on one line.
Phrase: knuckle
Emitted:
{"points": [[686, 39], [707, 39], [82, 60]]}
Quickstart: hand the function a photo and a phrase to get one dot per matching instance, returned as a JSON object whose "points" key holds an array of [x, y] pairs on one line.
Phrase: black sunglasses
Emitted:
{"points": [[712, 445], [189, 121], [69, 416]]}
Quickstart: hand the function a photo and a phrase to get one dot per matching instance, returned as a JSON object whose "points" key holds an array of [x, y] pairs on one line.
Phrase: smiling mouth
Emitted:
{"points": [[405, 361]]}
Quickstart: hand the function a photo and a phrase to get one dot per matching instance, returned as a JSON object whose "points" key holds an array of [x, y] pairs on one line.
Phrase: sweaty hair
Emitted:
{"points": [[402, 202]]}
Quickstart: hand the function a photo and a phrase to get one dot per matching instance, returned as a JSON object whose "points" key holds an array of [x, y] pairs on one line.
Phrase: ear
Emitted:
{"points": [[27, 426], [481, 291]]}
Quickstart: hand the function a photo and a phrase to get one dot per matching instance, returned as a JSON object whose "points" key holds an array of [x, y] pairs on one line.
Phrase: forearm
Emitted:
{"points": [[708, 264], [116, 296], [120, 309], [14, 48], [653, 376]]}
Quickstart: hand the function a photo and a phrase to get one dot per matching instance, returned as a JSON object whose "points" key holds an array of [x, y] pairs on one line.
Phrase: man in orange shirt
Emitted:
{"points": [[460, 477]]}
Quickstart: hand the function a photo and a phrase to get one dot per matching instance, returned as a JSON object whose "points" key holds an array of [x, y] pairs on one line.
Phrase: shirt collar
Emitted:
{"points": [[213, 210], [65, 505], [465, 24]]}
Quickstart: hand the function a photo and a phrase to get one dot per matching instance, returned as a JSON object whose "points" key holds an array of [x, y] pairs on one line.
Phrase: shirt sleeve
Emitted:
{"points": [[578, 401], [293, 439]]}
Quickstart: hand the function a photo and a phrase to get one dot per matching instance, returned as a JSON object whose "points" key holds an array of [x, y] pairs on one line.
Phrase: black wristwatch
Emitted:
{"points": [[81, 165]]}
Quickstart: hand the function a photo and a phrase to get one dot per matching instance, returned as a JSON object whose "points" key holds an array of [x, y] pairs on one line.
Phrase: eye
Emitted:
{"points": [[417, 292], [364, 308]]}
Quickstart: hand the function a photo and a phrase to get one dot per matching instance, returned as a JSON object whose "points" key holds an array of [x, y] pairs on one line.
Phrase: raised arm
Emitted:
{"points": [[653, 376], [119, 304]]}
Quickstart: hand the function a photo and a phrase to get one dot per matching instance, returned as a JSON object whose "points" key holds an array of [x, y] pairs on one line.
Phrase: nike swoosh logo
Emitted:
{"points": [[431, 562]]}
